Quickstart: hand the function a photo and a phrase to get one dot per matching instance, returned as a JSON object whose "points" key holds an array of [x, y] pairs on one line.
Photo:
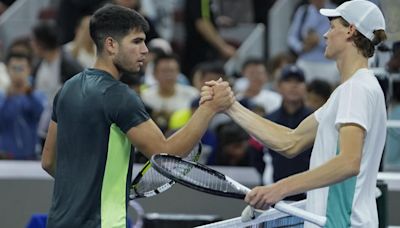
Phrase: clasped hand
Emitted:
{"points": [[218, 94]]}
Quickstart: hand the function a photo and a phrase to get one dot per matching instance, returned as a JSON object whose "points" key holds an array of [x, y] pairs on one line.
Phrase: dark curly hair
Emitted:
{"points": [[116, 22]]}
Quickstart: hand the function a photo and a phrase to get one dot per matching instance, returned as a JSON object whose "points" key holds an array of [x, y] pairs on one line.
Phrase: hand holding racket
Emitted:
{"points": [[205, 179]]}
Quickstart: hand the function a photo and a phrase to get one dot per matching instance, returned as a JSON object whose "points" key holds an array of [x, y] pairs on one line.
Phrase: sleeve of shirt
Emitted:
{"points": [[319, 112], [354, 106], [34, 105], [125, 108]]}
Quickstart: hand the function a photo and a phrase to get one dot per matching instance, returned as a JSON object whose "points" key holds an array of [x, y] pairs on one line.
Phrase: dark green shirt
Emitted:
{"points": [[93, 112]]}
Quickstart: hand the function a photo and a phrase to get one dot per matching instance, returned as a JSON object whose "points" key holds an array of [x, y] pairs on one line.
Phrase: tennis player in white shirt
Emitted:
{"points": [[347, 133]]}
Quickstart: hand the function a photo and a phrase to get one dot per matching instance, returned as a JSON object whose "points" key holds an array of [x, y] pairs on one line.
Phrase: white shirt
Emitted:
{"points": [[359, 100], [48, 78], [85, 58], [4, 78], [181, 99]]}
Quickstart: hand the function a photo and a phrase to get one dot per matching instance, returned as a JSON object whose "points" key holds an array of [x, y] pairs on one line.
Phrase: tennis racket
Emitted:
{"points": [[205, 179], [148, 182]]}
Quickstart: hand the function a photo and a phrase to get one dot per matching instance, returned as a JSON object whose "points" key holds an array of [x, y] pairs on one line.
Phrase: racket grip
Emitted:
{"points": [[308, 216]]}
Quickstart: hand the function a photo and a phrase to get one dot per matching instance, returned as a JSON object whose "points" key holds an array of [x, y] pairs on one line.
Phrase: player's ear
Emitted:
{"points": [[111, 46], [351, 31]]}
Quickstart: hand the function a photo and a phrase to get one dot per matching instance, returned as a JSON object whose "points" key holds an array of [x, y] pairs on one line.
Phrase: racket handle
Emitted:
{"points": [[308, 216]]}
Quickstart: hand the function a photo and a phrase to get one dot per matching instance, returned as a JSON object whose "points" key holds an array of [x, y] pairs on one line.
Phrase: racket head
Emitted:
{"points": [[148, 182], [197, 176]]}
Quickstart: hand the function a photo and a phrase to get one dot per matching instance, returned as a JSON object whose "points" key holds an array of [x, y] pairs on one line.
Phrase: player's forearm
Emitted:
{"points": [[49, 166], [274, 136], [187, 137], [51, 171], [335, 170]]}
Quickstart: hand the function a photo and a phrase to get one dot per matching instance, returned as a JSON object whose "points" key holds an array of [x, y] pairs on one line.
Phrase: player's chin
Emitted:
{"points": [[328, 55], [139, 65], [135, 68]]}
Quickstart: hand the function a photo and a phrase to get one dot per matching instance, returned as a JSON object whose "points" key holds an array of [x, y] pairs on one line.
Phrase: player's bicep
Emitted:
{"points": [[305, 134], [147, 138], [351, 143], [49, 153]]}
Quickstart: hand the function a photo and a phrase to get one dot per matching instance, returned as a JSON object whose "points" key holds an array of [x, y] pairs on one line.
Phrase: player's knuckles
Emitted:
{"points": [[206, 93], [211, 83], [267, 200], [206, 88], [259, 205]]}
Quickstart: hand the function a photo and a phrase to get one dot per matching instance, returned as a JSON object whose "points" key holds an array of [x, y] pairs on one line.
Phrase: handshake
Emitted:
{"points": [[217, 95]]}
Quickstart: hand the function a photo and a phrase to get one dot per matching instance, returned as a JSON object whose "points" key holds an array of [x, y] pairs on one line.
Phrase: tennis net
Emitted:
{"points": [[268, 219]]}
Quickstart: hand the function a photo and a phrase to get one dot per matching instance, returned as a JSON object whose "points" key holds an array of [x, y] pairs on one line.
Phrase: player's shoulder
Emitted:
{"points": [[363, 81]]}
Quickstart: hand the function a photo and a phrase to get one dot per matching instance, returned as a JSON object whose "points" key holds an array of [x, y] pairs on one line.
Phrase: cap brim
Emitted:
{"points": [[329, 12]]}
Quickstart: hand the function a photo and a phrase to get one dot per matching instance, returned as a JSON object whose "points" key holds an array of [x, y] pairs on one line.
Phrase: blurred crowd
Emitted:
{"points": [[284, 88]]}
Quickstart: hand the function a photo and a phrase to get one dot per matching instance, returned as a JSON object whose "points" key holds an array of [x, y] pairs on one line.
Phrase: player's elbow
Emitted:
{"points": [[291, 153], [48, 165], [354, 171], [352, 167], [290, 146]]}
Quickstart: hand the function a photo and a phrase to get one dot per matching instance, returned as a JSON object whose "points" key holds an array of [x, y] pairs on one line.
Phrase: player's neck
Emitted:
{"points": [[107, 66], [349, 63]]}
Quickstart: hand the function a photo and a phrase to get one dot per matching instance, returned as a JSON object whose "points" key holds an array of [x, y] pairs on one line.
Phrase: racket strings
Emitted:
{"points": [[200, 177], [152, 182]]}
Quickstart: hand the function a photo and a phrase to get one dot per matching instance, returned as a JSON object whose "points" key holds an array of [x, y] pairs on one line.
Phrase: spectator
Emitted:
{"points": [[21, 45], [291, 86], [136, 5], [233, 147], [202, 43], [20, 110], [158, 46], [4, 78], [204, 72], [162, 13], [391, 157], [318, 92], [82, 48], [306, 40], [255, 78], [394, 63], [68, 14], [168, 95], [54, 68], [134, 81], [275, 65]]}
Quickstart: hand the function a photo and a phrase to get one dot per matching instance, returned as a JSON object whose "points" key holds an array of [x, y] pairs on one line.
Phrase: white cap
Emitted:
{"points": [[365, 15]]}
